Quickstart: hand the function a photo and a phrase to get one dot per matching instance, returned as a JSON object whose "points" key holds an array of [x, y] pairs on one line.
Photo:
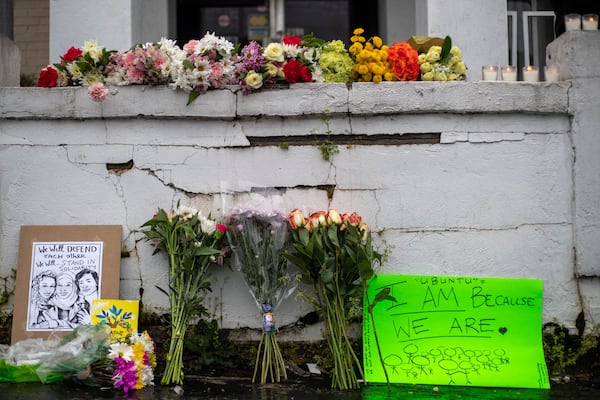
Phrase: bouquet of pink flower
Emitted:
{"points": [[208, 63], [257, 240], [336, 255]]}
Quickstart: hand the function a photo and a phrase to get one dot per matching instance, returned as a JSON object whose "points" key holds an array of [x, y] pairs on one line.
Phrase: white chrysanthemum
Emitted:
{"points": [[290, 50], [122, 350], [74, 70], [91, 78], [210, 41], [62, 80], [207, 226], [91, 47], [147, 375], [144, 339]]}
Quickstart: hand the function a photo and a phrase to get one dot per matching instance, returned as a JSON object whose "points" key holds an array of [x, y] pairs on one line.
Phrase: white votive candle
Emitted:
{"points": [[573, 22], [489, 73], [509, 73], [531, 74], [551, 73], [590, 22]]}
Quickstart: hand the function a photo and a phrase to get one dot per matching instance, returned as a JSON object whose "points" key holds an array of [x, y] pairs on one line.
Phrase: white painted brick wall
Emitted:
{"points": [[494, 198]]}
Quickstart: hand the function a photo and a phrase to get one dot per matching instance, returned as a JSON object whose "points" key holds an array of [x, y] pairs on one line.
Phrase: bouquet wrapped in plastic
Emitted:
{"points": [[51, 360], [258, 240]]}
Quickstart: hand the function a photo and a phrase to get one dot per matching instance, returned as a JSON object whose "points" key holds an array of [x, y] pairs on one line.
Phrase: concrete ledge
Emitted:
{"points": [[458, 97], [299, 100]]}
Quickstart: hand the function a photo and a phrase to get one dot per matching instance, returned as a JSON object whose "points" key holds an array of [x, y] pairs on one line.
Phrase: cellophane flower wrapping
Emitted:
{"points": [[336, 256], [258, 239], [55, 358]]}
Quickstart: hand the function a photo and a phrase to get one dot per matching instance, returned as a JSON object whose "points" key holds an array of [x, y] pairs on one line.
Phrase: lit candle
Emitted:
{"points": [[489, 73], [531, 74], [590, 22], [573, 22], [551, 73], [509, 74]]}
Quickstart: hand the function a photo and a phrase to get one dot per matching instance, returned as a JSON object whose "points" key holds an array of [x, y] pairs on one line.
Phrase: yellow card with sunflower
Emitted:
{"points": [[120, 315]]}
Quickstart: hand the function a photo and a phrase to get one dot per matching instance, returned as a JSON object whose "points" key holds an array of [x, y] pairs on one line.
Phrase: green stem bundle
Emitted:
{"points": [[270, 359]]}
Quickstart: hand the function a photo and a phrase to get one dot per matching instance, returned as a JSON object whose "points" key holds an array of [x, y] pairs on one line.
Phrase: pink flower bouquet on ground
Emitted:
{"points": [[258, 240]]}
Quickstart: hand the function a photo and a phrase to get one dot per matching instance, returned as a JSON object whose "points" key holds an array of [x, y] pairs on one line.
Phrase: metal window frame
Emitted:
{"points": [[526, 16]]}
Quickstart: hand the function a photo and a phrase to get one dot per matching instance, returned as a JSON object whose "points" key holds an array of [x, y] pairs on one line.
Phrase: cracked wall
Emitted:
{"points": [[463, 178]]}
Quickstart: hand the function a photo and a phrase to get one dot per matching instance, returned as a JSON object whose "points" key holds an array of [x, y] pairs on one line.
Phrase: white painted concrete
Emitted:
{"points": [[484, 42], [511, 189], [114, 24]]}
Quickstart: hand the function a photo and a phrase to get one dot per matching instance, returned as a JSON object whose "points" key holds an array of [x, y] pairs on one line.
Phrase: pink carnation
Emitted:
{"points": [[190, 46], [97, 92]]}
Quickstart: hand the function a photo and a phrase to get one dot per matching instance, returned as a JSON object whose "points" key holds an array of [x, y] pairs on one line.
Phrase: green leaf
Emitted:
{"points": [[445, 56], [326, 276], [365, 269], [192, 96]]}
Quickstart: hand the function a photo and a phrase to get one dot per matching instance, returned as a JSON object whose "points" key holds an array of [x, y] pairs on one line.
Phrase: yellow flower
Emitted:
{"points": [[274, 52], [440, 76], [377, 78], [254, 80], [425, 67], [455, 51], [452, 77], [388, 76], [377, 42], [453, 60], [433, 56], [363, 69], [422, 58], [383, 54], [358, 31], [460, 68], [427, 76], [355, 48]]}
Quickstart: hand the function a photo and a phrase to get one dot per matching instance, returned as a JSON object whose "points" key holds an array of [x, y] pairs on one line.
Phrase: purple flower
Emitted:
{"points": [[252, 58], [125, 375]]}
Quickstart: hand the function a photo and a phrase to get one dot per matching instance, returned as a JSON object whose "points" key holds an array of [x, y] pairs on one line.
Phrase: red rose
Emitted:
{"points": [[72, 54], [305, 74], [404, 61], [221, 228], [291, 71], [48, 77], [295, 72], [292, 40]]}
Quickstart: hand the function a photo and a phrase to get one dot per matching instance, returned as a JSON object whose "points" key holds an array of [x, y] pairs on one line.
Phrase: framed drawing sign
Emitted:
{"points": [[61, 270]]}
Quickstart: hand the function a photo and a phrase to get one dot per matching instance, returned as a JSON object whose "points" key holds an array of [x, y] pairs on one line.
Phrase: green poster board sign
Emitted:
{"points": [[464, 331]]}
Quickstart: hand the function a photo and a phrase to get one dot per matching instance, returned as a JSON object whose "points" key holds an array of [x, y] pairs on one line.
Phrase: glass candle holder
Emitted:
{"points": [[551, 73], [573, 22], [531, 74], [489, 73], [590, 22], [509, 74]]}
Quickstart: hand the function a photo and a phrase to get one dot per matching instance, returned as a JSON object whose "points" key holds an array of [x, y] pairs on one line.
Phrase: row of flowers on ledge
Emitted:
{"points": [[212, 62]]}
